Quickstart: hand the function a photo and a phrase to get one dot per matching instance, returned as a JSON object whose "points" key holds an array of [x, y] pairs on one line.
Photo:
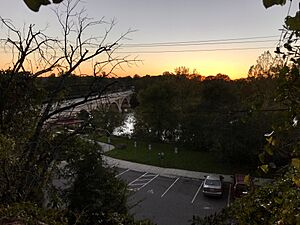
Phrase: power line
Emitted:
{"points": [[189, 50], [241, 40], [195, 50], [203, 41], [195, 44]]}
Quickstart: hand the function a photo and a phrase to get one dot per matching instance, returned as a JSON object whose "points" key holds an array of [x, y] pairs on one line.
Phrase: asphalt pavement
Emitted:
{"points": [[168, 196], [169, 200]]}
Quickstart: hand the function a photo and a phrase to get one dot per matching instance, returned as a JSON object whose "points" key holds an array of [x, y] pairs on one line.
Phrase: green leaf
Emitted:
{"points": [[296, 163], [261, 157], [278, 200], [269, 3], [247, 180], [264, 168], [293, 23], [271, 141], [268, 149], [296, 181], [35, 5]]}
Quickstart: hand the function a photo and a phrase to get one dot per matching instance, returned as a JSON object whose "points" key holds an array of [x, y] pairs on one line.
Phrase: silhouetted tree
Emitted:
{"points": [[26, 108], [266, 66]]}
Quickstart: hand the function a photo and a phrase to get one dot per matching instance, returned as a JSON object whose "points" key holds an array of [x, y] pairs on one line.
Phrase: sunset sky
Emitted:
{"points": [[219, 36]]}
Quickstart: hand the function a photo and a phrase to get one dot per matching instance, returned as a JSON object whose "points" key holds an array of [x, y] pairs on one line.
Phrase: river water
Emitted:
{"points": [[128, 127]]}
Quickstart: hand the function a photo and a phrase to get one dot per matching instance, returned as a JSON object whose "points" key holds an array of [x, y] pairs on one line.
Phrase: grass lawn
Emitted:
{"points": [[184, 159]]}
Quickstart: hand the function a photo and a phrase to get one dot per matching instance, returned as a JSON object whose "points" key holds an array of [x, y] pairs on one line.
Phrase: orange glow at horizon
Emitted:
{"points": [[235, 64]]}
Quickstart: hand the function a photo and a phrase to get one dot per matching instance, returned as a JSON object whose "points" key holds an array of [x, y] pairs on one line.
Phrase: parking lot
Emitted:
{"points": [[169, 200]]}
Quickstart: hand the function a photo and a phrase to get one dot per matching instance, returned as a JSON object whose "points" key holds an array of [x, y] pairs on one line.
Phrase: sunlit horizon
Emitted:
{"points": [[235, 64], [188, 35]]}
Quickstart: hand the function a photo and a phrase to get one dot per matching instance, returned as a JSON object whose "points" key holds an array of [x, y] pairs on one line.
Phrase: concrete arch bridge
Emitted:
{"points": [[118, 101]]}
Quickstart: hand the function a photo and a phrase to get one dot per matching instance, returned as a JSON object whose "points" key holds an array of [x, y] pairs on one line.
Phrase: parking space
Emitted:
{"points": [[168, 201], [129, 175], [141, 181], [120, 171]]}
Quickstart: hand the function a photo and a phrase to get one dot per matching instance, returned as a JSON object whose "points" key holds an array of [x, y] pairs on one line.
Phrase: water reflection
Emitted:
{"points": [[128, 127]]}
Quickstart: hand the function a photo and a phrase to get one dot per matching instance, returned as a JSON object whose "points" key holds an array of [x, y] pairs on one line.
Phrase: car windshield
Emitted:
{"points": [[213, 182]]}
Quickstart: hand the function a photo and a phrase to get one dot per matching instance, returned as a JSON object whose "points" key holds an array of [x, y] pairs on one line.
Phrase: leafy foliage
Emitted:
{"points": [[156, 104], [20, 103], [31, 214], [217, 115], [293, 23], [269, 3], [106, 119], [94, 193], [35, 5]]}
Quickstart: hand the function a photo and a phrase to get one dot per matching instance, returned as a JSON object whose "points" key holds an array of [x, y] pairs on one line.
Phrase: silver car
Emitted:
{"points": [[213, 185]]}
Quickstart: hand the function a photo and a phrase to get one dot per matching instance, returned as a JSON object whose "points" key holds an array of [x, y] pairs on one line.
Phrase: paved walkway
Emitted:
{"points": [[168, 172]]}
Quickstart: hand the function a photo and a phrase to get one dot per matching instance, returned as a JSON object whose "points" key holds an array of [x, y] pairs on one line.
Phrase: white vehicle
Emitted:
{"points": [[213, 185]]}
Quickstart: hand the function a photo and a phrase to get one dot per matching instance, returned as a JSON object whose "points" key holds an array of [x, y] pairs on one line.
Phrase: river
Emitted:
{"points": [[128, 127]]}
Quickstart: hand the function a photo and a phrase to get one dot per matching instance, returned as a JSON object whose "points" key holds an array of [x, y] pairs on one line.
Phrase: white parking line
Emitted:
{"points": [[122, 173], [137, 184], [197, 193], [169, 187], [114, 165], [146, 179], [150, 175], [229, 195], [137, 179], [132, 189], [147, 182]]}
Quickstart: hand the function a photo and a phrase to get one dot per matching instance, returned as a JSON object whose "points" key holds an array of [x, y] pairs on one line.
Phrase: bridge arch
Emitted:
{"points": [[114, 106], [117, 100]]}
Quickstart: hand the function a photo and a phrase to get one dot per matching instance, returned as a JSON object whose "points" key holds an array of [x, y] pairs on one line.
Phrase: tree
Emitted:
{"points": [[284, 141], [266, 66], [155, 113], [33, 153], [182, 70], [94, 194], [69, 54], [30, 147], [106, 119]]}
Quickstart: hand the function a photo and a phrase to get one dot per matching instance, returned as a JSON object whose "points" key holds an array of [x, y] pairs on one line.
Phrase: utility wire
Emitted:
{"points": [[202, 41], [243, 40], [195, 50], [188, 50], [197, 44]]}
